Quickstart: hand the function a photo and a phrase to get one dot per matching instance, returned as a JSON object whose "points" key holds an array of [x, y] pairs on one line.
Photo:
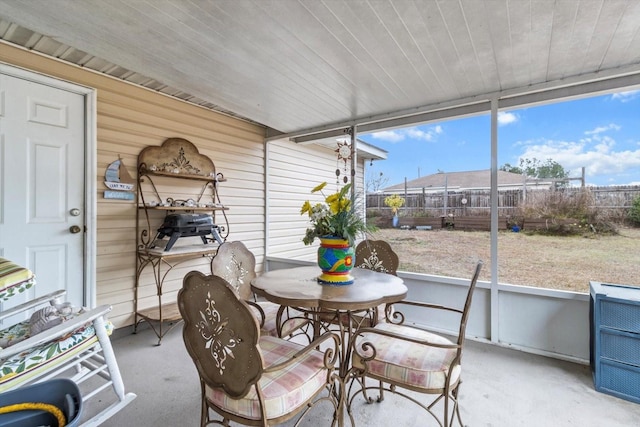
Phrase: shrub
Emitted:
{"points": [[557, 205], [634, 212]]}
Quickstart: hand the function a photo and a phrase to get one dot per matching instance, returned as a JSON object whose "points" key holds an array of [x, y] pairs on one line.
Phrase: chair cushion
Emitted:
{"points": [[14, 279], [285, 390], [22, 367], [405, 363]]}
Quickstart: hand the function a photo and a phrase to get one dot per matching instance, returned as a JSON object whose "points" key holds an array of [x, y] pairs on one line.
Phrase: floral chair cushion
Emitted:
{"points": [[14, 279], [24, 366]]}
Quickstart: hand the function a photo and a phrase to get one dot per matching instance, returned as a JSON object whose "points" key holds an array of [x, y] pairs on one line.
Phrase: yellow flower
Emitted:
{"points": [[319, 187], [334, 217], [332, 198], [306, 208]]}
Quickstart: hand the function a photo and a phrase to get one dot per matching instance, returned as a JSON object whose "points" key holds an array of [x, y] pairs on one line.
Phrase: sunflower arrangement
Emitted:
{"points": [[335, 217]]}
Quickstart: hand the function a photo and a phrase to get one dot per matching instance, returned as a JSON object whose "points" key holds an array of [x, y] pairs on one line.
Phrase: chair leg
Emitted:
{"points": [[380, 391], [204, 407], [457, 405], [446, 409]]}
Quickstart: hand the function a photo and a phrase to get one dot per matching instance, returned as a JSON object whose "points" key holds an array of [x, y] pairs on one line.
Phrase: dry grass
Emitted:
{"points": [[567, 263]]}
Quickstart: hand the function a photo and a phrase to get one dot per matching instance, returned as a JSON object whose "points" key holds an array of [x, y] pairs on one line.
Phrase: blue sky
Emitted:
{"points": [[600, 133]]}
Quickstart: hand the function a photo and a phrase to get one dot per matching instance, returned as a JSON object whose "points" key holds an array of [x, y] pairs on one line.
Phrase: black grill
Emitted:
{"points": [[188, 225]]}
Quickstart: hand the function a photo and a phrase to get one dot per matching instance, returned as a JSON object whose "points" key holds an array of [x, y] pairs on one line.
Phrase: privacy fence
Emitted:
{"points": [[420, 203]]}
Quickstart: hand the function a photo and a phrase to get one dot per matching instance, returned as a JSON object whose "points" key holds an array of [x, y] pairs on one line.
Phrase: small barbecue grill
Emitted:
{"points": [[188, 225]]}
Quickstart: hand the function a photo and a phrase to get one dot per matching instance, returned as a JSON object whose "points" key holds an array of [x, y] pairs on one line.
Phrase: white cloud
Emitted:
{"points": [[506, 118], [597, 156], [601, 129], [388, 135], [626, 96], [415, 132]]}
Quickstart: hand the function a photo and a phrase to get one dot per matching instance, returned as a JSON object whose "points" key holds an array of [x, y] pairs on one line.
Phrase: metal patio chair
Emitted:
{"points": [[246, 377], [237, 265], [400, 356]]}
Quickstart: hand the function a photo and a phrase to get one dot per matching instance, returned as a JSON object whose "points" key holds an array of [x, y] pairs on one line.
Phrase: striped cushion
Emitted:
{"points": [[401, 362], [271, 312], [14, 279], [285, 390], [24, 366]]}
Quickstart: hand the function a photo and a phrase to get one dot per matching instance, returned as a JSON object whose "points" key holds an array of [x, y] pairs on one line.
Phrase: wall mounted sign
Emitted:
{"points": [[118, 180]]}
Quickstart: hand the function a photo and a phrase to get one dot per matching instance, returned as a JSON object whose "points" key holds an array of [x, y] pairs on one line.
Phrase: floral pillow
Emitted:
{"points": [[14, 279]]}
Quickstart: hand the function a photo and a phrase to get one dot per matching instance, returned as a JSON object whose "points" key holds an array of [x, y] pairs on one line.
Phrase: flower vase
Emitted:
{"points": [[395, 221], [335, 259]]}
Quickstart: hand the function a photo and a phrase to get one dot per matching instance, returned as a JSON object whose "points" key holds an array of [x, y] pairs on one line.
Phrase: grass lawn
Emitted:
{"points": [[567, 263]]}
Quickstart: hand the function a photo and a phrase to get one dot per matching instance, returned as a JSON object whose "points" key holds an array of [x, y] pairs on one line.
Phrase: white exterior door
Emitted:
{"points": [[42, 184]]}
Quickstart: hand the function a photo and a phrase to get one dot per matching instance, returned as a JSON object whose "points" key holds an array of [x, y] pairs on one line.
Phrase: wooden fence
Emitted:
{"points": [[474, 223], [617, 199]]}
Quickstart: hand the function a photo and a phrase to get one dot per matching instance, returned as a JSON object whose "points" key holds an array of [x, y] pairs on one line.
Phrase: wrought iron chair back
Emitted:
{"points": [[377, 255], [220, 334], [235, 263]]}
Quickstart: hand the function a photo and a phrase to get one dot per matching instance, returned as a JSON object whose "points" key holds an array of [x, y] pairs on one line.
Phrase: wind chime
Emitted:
{"points": [[345, 153]]}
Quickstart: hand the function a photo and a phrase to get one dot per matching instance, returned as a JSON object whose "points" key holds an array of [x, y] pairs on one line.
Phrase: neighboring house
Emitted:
{"points": [[466, 181]]}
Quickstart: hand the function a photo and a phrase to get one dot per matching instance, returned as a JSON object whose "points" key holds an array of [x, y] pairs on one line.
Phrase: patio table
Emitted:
{"points": [[297, 287]]}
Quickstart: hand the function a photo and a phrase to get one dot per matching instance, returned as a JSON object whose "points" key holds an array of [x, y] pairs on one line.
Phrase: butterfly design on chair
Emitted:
{"points": [[219, 338]]}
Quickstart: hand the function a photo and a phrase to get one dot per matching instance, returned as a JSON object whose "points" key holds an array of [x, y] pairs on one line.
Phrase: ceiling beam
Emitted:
{"points": [[574, 91]]}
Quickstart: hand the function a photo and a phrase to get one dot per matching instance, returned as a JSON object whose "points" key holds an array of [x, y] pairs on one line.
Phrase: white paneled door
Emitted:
{"points": [[42, 212]]}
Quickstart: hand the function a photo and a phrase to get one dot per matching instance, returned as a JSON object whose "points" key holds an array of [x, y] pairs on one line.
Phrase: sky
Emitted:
{"points": [[599, 133]]}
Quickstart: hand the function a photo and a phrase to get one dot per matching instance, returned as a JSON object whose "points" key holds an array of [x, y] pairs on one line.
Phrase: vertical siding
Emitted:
{"points": [[295, 169], [131, 118]]}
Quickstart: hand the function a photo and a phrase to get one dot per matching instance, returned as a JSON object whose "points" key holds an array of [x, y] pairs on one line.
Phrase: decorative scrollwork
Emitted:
{"points": [[395, 317], [219, 339], [179, 164], [374, 263], [235, 273]]}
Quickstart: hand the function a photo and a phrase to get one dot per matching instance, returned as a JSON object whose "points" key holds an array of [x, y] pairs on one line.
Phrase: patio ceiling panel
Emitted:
{"points": [[624, 42], [300, 66]]}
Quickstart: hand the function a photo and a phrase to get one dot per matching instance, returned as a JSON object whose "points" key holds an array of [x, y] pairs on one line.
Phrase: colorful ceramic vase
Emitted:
{"points": [[335, 259]]}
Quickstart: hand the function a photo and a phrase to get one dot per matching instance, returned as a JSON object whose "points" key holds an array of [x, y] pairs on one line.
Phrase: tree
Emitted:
{"points": [[376, 183], [534, 168]]}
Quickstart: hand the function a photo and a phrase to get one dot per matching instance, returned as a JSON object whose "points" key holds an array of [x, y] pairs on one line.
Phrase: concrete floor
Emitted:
{"points": [[501, 387]]}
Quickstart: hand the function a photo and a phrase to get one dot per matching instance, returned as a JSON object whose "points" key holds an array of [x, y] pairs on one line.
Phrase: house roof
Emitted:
{"points": [[459, 180], [305, 66]]}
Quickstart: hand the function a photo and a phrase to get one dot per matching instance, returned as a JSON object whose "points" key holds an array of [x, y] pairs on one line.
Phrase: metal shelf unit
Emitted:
{"points": [[176, 160]]}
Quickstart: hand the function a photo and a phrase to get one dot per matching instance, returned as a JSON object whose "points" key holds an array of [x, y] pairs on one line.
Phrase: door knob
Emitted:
{"points": [[75, 229]]}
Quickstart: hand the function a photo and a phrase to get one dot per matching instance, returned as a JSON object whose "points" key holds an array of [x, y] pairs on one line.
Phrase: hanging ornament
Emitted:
{"points": [[344, 154]]}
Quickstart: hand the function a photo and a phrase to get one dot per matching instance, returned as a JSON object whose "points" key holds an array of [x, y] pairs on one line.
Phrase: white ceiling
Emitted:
{"points": [[302, 65]]}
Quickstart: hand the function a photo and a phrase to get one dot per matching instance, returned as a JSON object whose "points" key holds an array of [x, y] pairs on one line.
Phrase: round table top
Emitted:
{"points": [[298, 287]]}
